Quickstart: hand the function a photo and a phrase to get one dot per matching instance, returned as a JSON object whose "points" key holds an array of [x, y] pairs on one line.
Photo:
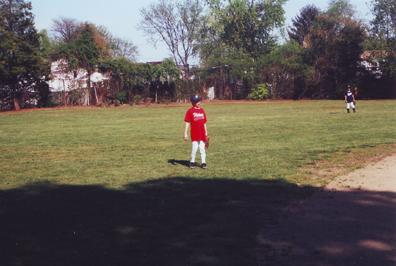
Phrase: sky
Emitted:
{"points": [[121, 18]]}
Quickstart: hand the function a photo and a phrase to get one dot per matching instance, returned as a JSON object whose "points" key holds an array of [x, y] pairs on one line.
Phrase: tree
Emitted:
{"points": [[328, 58], [122, 48], [249, 25], [209, 40], [45, 44], [285, 70], [213, 52], [383, 33], [80, 53], [384, 22], [124, 77], [111, 47], [341, 9], [21, 67], [175, 24], [86, 46], [66, 30], [303, 24], [336, 45], [234, 37], [166, 72]]}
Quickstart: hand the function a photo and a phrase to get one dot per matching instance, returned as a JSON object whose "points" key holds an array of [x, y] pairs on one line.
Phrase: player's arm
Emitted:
{"points": [[185, 131], [206, 130], [345, 98]]}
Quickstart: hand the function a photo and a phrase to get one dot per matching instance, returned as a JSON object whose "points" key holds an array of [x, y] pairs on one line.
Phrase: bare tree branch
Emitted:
{"points": [[66, 29], [175, 24]]}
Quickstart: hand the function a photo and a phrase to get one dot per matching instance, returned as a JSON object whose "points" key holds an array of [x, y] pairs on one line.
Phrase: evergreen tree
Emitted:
{"points": [[336, 40], [21, 66], [302, 25]]}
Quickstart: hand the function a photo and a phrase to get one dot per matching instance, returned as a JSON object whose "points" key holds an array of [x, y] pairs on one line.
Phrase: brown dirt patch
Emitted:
{"points": [[351, 221]]}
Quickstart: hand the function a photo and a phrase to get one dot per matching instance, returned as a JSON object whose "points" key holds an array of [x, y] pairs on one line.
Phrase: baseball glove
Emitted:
{"points": [[207, 142], [354, 103]]}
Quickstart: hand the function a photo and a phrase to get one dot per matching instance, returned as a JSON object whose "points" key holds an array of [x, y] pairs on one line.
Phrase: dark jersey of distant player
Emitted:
{"points": [[349, 95]]}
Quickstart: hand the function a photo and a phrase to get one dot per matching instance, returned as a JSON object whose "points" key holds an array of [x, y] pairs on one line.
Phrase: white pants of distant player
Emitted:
{"points": [[350, 105], [195, 146]]}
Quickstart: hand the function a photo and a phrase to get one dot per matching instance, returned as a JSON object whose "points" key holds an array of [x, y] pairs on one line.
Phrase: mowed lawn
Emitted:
{"points": [[111, 186], [117, 146]]}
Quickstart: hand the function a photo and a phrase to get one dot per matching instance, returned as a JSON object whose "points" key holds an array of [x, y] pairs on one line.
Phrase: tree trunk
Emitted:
{"points": [[187, 70], [96, 94], [221, 83], [16, 103], [221, 76], [148, 91], [64, 93], [90, 90], [394, 87]]}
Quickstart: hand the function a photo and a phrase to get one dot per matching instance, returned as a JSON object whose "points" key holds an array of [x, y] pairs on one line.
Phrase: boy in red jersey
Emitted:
{"points": [[197, 118]]}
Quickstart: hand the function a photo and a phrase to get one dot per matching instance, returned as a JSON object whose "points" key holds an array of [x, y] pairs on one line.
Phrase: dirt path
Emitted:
{"points": [[352, 221]]}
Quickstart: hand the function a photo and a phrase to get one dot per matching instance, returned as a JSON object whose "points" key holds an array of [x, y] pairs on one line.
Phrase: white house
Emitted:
{"points": [[65, 81], [370, 61]]}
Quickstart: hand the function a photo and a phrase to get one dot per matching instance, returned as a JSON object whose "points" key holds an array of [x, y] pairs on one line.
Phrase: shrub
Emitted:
{"points": [[76, 97], [137, 99], [121, 96], [259, 92]]}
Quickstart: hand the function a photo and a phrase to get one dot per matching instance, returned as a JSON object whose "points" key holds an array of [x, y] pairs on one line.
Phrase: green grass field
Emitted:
{"points": [[111, 186]]}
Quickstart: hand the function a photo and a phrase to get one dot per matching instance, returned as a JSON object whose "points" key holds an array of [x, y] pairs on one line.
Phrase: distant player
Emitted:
{"points": [[350, 99], [196, 117]]}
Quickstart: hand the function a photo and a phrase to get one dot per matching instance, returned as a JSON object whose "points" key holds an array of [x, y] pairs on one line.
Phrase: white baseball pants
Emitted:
{"points": [[350, 104], [201, 146]]}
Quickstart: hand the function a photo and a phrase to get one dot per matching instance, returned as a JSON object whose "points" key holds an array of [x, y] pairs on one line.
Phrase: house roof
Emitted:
{"points": [[373, 54]]}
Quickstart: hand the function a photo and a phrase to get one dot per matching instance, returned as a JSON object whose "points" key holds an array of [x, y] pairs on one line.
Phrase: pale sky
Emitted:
{"points": [[121, 18]]}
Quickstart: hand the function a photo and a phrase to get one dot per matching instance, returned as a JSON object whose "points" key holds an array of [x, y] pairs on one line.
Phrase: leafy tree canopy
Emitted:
{"points": [[80, 53], [21, 66], [248, 25], [67, 30]]}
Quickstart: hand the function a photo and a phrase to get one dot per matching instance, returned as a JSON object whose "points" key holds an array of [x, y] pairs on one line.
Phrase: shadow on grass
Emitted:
{"points": [[178, 221], [185, 221], [181, 162], [334, 228]]}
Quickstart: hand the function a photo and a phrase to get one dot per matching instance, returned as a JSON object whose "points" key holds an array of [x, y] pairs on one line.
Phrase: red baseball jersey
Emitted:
{"points": [[197, 120]]}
